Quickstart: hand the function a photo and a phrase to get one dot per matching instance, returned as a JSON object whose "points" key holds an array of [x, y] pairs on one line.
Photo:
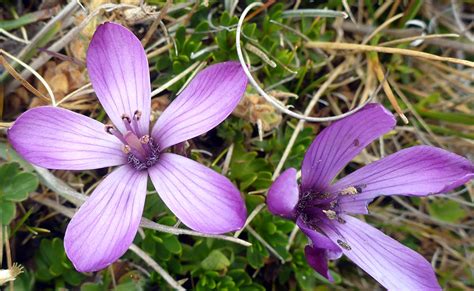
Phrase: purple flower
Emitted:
{"points": [[320, 208], [105, 226]]}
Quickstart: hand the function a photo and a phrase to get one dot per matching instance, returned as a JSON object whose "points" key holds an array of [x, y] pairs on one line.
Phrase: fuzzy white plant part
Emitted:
{"points": [[10, 274]]}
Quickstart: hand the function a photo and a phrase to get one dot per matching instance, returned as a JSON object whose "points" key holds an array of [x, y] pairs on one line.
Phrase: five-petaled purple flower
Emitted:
{"points": [[321, 209], [105, 226]]}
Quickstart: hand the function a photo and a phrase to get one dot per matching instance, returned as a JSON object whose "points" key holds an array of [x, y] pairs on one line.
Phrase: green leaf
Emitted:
{"points": [[216, 261], [15, 185], [446, 210], [19, 187], [7, 211], [172, 244], [92, 287], [256, 254]]}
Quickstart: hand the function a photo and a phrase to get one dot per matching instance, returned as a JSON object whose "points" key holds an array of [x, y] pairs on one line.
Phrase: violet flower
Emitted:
{"points": [[106, 224], [320, 208]]}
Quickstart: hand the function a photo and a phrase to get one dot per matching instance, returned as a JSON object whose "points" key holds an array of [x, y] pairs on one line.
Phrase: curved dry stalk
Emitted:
{"points": [[37, 75], [152, 263], [66, 39], [274, 102]]}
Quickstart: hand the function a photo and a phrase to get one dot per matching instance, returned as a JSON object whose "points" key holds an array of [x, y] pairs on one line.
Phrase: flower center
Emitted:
{"points": [[142, 152], [315, 206]]}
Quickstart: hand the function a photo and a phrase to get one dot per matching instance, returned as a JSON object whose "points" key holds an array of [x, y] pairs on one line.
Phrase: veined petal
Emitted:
{"points": [[320, 241], [317, 259], [106, 224], [415, 171], [118, 69], [201, 198], [392, 264], [210, 97], [283, 194], [340, 142], [57, 138], [320, 251]]}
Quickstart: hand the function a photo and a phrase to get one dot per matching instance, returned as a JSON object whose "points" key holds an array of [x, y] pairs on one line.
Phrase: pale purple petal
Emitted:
{"points": [[392, 264], [339, 143], [57, 138], [415, 171], [210, 97], [106, 224], [283, 195], [118, 69], [201, 198]]}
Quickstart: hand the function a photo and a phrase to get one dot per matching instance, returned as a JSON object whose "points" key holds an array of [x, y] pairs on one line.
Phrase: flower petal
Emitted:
{"points": [[392, 264], [415, 171], [57, 138], [318, 260], [118, 69], [210, 97], [321, 249], [106, 224], [201, 198], [340, 142], [320, 241], [283, 194]]}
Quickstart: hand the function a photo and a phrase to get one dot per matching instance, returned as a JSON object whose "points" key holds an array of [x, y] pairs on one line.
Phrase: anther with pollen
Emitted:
{"points": [[110, 129], [351, 190], [331, 214]]}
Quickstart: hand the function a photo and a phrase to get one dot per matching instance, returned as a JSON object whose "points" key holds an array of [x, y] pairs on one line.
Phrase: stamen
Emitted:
{"points": [[110, 129], [145, 141], [126, 121], [350, 191], [344, 245], [126, 149], [136, 117], [125, 117], [331, 214]]}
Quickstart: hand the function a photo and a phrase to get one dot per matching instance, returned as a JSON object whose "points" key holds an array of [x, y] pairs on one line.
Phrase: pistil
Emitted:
{"points": [[135, 145]]}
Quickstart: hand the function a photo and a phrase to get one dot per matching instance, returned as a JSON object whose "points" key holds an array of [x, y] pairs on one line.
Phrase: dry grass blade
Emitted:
{"points": [[22, 81], [382, 27], [156, 22], [421, 37], [377, 67], [355, 48], [32, 71]]}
